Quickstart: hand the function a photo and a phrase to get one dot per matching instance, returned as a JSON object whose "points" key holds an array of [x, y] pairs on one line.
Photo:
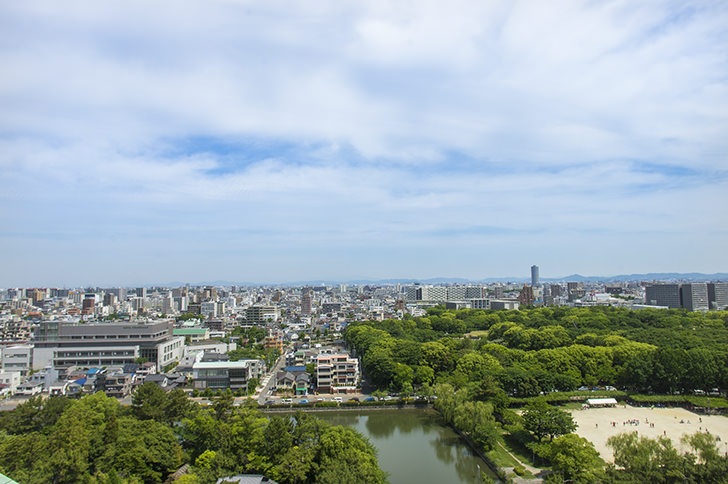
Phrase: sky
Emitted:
{"points": [[146, 142]]}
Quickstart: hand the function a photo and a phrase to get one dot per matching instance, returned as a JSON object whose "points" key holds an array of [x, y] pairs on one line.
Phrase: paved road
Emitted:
{"points": [[269, 381]]}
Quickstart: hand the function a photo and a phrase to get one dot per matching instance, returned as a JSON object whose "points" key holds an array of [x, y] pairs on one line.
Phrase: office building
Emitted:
{"points": [[534, 276], [62, 344], [667, 295], [718, 295], [694, 296]]}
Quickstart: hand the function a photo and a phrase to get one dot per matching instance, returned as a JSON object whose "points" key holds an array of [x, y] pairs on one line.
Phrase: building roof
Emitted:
{"points": [[6, 480], [246, 479], [601, 401], [189, 331], [221, 364], [294, 369]]}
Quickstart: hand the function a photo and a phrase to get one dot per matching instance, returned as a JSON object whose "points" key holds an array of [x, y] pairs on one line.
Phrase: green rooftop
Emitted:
{"points": [[188, 331]]}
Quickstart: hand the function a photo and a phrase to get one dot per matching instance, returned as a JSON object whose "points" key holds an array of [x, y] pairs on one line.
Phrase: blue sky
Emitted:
{"points": [[144, 142]]}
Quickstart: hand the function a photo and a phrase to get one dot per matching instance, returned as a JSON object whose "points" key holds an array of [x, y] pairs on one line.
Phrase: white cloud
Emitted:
{"points": [[368, 125]]}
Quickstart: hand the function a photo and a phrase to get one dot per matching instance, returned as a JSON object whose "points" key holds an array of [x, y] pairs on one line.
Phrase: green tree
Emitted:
{"points": [[546, 421], [575, 457]]}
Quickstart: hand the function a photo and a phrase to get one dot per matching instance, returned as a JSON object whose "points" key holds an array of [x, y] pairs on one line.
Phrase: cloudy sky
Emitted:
{"points": [[146, 142]]}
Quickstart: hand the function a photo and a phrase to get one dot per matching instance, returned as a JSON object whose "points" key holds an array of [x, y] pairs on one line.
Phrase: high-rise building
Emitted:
{"points": [[663, 295], [717, 295], [534, 276], [306, 303], [694, 296], [499, 291], [555, 290], [525, 298]]}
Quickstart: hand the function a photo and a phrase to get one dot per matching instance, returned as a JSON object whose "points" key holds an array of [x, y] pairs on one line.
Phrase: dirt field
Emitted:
{"points": [[595, 424]]}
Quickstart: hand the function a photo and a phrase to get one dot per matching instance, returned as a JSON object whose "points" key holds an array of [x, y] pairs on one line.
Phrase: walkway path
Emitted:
{"points": [[522, 480]]}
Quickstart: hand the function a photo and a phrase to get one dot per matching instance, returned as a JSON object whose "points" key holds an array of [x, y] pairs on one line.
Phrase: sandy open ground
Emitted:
{"points": [[595, 424]]}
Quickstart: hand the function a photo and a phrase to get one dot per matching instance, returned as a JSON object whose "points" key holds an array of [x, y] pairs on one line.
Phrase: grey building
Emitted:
{"points": [[534, 276], [106, 344], [663, 295], [694, 296], [717, 295]]}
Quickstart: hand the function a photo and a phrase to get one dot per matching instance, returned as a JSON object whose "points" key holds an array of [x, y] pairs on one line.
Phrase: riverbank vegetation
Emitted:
{"points": [[94, 440], [479, 362]]}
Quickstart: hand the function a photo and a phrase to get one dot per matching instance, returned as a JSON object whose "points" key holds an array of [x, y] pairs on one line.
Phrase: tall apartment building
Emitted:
{"points": [[526, 297], [534, 276], [337, 373], [62, 344], [694, 296], [306, 303], [718, 295]]}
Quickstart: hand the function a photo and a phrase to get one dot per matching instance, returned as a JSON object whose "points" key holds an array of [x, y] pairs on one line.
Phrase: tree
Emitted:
{"points": [[575, 457], [546, 421], [149, 401]]}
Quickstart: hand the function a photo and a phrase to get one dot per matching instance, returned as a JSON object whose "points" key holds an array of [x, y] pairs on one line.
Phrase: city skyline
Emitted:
{"points": [[283, 142]]}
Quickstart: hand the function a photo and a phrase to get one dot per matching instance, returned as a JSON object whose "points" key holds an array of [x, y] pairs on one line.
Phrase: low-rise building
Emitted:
{"points": [[18, 358], [9, 381], [218, 375]]}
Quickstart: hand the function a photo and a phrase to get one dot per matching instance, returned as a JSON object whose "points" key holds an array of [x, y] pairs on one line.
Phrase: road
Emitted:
{"points": [[269, 381]]}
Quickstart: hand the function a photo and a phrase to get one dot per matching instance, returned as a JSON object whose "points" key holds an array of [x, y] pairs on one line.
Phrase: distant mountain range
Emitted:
{"points": [[652, 276]]}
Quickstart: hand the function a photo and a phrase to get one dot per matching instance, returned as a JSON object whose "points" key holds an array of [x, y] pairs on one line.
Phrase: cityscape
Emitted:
{"points": [[381, 242]]}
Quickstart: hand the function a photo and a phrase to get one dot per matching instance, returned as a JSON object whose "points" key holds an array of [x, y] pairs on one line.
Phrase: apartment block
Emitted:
{"points": [[337, 373]]}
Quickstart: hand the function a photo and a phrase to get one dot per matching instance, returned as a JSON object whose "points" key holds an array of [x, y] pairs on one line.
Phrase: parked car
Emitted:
{"points": [[337, 399], [369, 399], [303, 400], [355, 399]]}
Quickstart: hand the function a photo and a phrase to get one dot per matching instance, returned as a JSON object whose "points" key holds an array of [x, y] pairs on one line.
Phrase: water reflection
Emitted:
{"points": [[414, 445]]}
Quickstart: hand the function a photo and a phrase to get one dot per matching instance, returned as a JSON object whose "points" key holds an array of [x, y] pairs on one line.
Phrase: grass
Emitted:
{"points": [[500, 457]]}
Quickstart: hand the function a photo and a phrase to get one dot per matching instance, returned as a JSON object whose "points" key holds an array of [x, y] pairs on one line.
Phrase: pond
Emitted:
{"points": [[414, 446]]}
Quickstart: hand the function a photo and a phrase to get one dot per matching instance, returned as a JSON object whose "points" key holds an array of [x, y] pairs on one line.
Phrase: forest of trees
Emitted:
{"points": [[476, 361], [541, 350], [94, 440]]}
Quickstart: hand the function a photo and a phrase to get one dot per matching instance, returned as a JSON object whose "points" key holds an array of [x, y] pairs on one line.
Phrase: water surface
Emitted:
{"points": [[414, 446]]}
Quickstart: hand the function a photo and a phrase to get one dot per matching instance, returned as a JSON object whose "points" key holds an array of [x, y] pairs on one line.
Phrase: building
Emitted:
{"points": [[9, 382], [718, 295], [64, 344], [194, 334], [337, 373], [525, 297], [667, 295], [331, 307], [18, 358], [691, 296], [306, 304], [262, 314], [274, 341], [534, 276], [503, 304], [208, 309], [218, 375], [694, 296]]}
